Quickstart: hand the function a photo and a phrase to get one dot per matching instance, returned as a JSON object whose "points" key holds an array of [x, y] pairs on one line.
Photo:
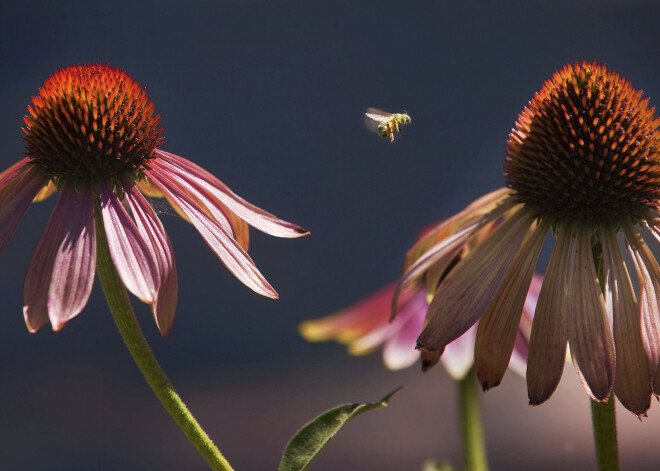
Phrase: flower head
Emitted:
{"points": [[367, 324], [582, 162], [92, 135]]}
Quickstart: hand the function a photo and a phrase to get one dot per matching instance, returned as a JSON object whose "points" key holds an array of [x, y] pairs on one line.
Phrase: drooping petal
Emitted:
{"points": [[549, 336], [365, 325], [222, 244], [469, 288], [648, 275], [430, 358], [231, 223], [129, 251], [445, 250], [458, 356], [589, 334], [352, 322], [632, 381], [499, 326], [442, 230], [61, 273], [160, 250], [253, 215], [18, 186]]}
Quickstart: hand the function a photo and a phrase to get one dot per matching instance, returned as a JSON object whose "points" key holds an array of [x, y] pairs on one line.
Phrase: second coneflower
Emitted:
{"points": [[582, 163], [92, 135]]}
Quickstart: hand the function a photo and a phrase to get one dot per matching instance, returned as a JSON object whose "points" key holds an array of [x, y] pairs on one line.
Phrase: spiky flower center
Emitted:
{"points": [[586, 149], [91, 122]]}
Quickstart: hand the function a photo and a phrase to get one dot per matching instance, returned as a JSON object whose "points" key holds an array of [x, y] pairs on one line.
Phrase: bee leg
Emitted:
{"points": [[391, 136]]}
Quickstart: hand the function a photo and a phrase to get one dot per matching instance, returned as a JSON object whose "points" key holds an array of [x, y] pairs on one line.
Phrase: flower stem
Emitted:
{"points": [[122, 312], [603, 418], [603, 414], [474, 447]]}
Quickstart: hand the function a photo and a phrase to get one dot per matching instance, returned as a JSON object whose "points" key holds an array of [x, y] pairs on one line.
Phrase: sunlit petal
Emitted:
{"points": [[160, 250], [224, 246], [18, 187], [61, 273], [253, 215], [129, 251]]}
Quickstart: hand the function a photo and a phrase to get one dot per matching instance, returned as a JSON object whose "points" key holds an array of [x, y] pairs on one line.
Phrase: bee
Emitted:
{"points": [[385, 123]]}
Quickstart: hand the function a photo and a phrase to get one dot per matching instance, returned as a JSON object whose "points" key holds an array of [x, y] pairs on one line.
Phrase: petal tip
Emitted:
{"points": [[57, 326], [31, 329], [485, 386], [536, 400]]}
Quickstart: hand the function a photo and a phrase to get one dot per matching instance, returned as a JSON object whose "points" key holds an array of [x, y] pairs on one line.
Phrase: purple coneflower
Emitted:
{"points": [[366, 325], [582, 163], [92, 135]]}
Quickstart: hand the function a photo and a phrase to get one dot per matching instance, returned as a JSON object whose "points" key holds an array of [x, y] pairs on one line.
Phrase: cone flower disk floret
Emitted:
{"points": [[582, 163], [92, 136]]}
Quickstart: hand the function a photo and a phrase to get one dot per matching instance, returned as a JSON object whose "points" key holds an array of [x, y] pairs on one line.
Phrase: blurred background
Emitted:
{"points": [[269, 96]]}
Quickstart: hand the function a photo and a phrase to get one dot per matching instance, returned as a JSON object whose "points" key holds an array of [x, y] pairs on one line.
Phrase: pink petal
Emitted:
{"points": [[632, 381], [253, 215], [235, 225], [160, 250], [498, 328], [231, 223], [399, 351], [648, 275], [480, 207], [204, 199], [440, 255], [353, 322], [130, 254], [549, 336], [61, 273], [18, 186], [470, 287], [589, 332], [458, 356], [224, 246]]}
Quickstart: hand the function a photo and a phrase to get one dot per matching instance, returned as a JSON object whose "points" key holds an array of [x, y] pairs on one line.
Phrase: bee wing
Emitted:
{"points": [[378, 115], [373, 117]]}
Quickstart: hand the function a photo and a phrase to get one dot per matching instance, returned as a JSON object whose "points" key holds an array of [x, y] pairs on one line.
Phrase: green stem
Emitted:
{"points": [[120, 306], [603, 415], [603, 418], [474, 447]]}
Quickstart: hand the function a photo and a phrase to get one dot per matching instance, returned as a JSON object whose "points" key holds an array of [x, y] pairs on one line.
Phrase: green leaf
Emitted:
{"points": [[313, 437]]}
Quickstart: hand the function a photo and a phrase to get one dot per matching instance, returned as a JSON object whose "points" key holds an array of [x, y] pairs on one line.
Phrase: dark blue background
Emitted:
{"points": [[269, 96]]}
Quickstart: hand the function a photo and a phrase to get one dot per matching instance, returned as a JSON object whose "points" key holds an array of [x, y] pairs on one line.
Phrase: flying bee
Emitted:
{"points": [[385, 123]]}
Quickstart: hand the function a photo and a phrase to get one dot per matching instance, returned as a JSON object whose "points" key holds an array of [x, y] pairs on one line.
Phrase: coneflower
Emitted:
{"points": [[92, 135], [582, 164]]}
